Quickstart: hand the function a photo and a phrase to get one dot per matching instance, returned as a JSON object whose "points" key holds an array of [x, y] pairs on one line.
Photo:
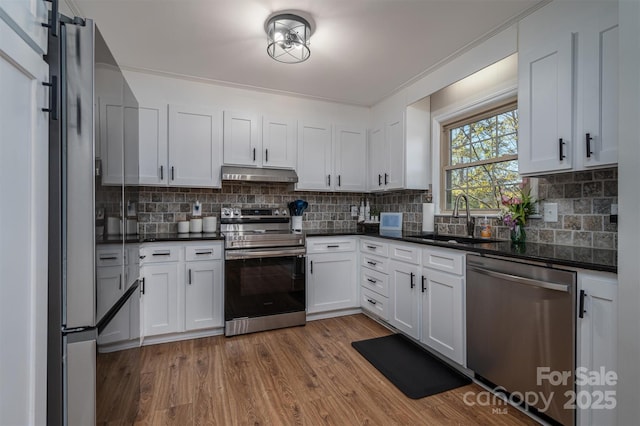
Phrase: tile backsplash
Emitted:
{"points": [[159, 209], [584, 200]]}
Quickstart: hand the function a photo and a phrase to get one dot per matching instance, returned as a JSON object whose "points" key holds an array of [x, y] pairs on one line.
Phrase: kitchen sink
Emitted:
{"points": [[453, 239]]}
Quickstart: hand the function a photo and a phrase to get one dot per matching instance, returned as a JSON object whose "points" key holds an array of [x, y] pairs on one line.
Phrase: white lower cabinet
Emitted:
{"points": [[405, 297], [160, 299], [332, 282], [203, 295], [182, 288], [597, 342]]}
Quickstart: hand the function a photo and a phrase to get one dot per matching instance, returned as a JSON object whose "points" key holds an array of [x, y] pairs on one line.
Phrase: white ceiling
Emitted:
{"points": [[361, 51]]}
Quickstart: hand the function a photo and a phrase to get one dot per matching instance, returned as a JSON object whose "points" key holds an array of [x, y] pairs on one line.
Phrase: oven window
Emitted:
{"points": [[264, 286]]}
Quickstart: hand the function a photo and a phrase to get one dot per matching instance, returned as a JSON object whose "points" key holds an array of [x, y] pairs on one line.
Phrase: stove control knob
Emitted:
{"points": [[276, 212], [226, 212], [236, 212], [284, 212]]}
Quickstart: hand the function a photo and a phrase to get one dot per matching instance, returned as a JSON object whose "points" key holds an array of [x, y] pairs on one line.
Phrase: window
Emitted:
{"points": [[480, 158]]}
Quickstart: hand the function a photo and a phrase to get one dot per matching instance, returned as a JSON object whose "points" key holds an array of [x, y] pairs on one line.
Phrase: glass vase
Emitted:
{"points": [[518, 235]]}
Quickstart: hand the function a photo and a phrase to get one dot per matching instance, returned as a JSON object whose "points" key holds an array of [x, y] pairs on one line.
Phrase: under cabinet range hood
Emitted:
{"points": [[257, 174]]}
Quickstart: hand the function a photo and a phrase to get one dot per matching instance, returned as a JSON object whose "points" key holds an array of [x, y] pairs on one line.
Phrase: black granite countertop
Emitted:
{"points": [[154, 237], [605, 260]]}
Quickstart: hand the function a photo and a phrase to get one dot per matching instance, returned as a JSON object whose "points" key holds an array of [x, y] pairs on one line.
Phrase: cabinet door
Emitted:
{"points": [[112, 140], [24, 186], [377, 159], [241, 139], [331, 282], [405, 297], [394, 135], [598, 66], [314, 157], [350, 159], [153, 145], [545, 95], [160, 300], [118, 328], [598, 338], [203, 295], [110, 285], [279, 143], [29, 16], [442, 313], [195, 151]]}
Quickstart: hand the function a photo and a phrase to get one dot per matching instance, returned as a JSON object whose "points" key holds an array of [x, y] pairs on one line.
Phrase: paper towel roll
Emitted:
{"points": [[428, 212]]}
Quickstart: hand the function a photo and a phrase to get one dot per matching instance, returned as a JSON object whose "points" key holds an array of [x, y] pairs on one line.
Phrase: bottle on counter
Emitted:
{"points": [[485, 228], [367, 211], [361, 211]]}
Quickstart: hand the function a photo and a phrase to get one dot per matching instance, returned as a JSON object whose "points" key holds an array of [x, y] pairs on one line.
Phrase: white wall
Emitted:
{"points": [[629, 208], [157, 88]]}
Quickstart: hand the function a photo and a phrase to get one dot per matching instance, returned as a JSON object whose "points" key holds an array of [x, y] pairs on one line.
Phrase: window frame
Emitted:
{"points": [[445, 148]]}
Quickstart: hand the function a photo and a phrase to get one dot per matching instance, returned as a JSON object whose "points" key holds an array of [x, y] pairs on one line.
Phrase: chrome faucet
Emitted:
{"points": [[471, 221]]}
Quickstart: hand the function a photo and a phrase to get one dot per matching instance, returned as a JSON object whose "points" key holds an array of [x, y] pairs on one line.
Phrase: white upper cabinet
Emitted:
{"points": [[350, 159], [400, 146], [279, 142], [242, 144], [314, 156], [195, 151], [111, 139], [248, 141], [153, 144], [568, 75], [597, 140], [28, 15]]}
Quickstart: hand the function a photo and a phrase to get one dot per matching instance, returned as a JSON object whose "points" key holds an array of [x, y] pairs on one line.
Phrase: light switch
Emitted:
{"points": [[550, 212]]}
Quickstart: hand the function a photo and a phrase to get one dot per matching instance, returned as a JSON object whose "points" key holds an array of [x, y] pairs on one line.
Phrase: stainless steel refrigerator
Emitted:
{"points": [[94, 331]]}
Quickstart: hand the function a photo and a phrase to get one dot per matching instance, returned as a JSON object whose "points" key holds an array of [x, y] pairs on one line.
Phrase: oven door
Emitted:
{"points": [[261, 282]]}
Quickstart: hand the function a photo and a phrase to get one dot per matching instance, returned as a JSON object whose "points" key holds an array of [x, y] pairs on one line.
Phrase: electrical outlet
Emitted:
{"points": [[550, 212], [613, 218]]}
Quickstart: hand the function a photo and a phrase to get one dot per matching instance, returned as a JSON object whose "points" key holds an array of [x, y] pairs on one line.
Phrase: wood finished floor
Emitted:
{"points": [[297, 376]]}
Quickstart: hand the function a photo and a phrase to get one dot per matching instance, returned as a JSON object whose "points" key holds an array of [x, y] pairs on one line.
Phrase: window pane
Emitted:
{"points": [[483, 141]]}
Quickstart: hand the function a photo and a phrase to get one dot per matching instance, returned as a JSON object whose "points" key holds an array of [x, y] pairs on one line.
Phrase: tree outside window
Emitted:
{"points": [[482, 158]]}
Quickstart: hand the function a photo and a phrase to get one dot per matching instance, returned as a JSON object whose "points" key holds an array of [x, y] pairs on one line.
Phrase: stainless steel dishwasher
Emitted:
{"points": [[521, 317]]}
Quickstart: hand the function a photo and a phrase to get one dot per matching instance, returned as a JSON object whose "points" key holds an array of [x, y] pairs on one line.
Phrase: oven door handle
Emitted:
{"points": [[265, 252]]}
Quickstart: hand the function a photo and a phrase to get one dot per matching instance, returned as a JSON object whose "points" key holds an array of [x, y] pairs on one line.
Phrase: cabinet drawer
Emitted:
{"points": [[160, 254], [330, 245], [109, 257], [443, 260], [377, 263], [374, 247], [203, 252], [405, 253], [372, 302], [375, 281]]}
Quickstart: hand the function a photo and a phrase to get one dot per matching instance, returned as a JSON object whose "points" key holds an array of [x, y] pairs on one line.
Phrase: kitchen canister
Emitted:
{"points": [[195, 225], [296, 223], [114, 225], [209, 224], [183, 227]]}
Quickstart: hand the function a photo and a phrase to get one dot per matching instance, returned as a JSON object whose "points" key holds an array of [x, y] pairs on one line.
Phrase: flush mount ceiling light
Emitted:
{"points": [[288, 37]]}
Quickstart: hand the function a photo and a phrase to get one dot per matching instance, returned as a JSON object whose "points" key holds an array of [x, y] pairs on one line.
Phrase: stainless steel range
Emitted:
{"points": [[264, 271]]}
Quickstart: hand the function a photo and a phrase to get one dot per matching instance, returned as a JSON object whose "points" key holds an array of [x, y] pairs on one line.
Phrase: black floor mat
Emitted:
{"points": [[410, 368]]}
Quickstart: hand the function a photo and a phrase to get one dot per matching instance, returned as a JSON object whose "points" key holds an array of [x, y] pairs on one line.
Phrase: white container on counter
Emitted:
{"points": [[195, 226], [183, 227], [209, 224], [296, 223]]}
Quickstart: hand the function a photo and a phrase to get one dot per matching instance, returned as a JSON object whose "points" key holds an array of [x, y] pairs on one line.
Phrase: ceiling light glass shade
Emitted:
{"points": [[288, 38]]}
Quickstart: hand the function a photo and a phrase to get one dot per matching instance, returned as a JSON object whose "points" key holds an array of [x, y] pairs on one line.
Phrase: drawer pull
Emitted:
{"points": [[333, 246], [372, 263], [109, 258], [204, 252], [168, 253], [412, 283], [372, 247], [372, 281], [373, 302]]}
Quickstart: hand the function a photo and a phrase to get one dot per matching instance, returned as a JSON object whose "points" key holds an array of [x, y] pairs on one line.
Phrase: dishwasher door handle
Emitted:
{"points": [[520, 280]]}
